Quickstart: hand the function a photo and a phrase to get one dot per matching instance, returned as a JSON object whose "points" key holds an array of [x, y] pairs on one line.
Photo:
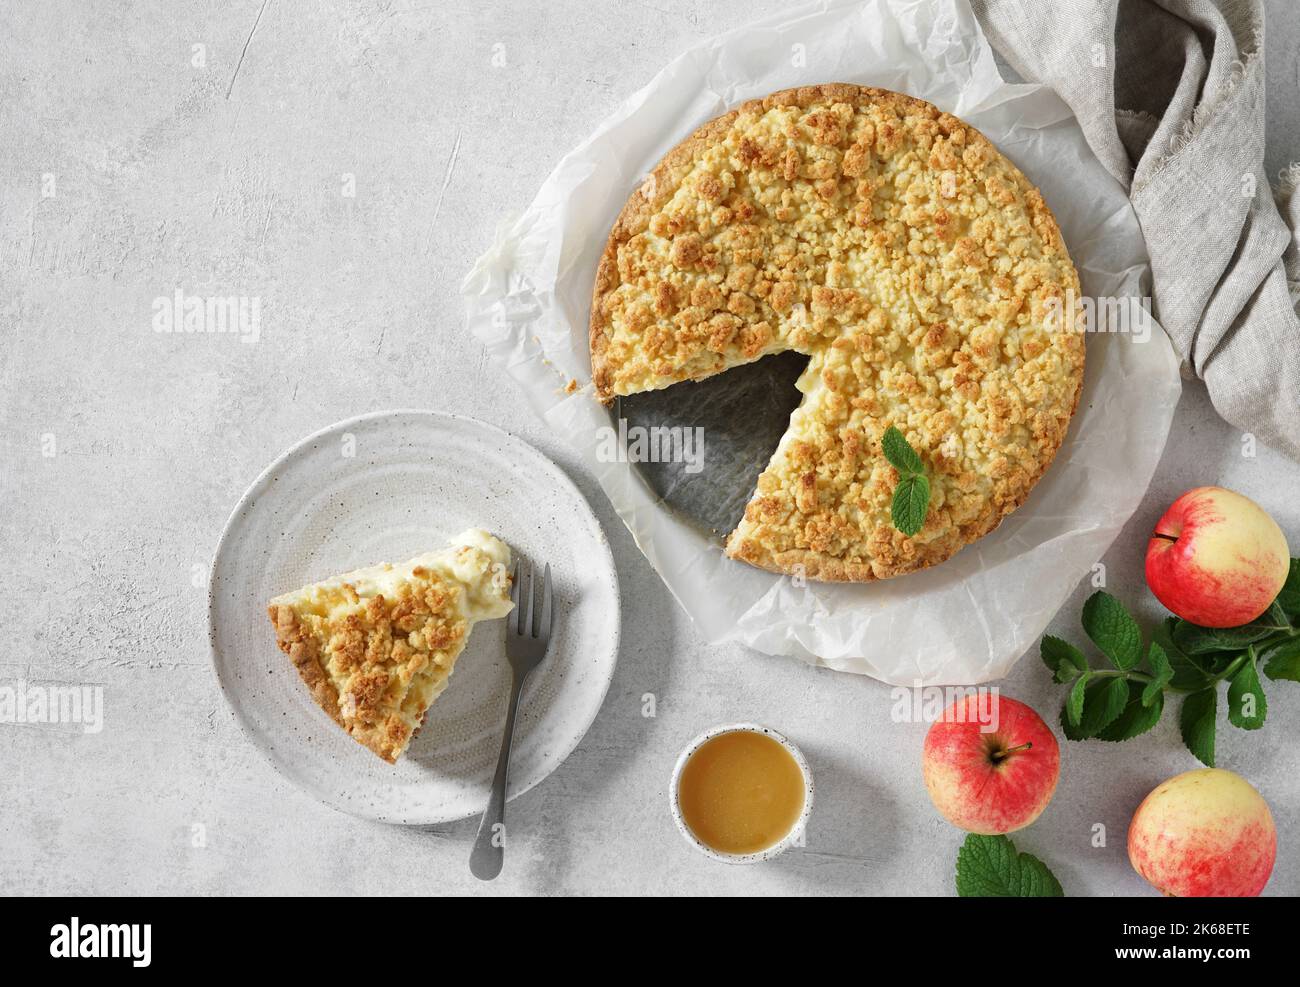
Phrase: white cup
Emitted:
{"points": [[796, 831]]}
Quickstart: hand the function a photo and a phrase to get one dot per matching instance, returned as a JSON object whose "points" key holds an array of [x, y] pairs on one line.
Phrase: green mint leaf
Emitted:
{"points": [[1071, 731], [1104, 701], [1074, 702], [1161, 671], [1196, 721], [912, 495], [1289, 598], [1138, 717], [1062, 657], [1247, 706], [1215, 663], [1276, 616], [1112, 630], [900, 453], [990, 867], [1282, 660], [1194, 641], [1065, 672], [1188, 676], [911, 500]]}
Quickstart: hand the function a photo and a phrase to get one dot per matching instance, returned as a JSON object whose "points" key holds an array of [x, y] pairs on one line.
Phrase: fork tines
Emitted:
{"points": [[533, 620]]}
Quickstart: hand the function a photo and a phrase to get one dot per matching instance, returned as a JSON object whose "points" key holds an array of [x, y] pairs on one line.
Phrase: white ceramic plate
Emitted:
{"points": [[382, 488]]}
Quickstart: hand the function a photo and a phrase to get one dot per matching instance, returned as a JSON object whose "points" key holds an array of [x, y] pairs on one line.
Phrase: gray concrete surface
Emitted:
{"points": [[222, 170]]}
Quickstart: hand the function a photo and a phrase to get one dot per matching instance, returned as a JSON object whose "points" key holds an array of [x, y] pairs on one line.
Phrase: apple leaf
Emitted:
{"points": [[1282, 660], [1247, 706], [990, 867], [1196, 721], [1102, 704], [1138, 717], [1161, 672], [1113, 630]]}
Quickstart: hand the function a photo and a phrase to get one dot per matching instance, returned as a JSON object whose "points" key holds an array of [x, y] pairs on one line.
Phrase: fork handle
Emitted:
{"points": [[489, 854]]}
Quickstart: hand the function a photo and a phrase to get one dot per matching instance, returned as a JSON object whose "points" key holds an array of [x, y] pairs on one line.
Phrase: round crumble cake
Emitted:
{"points": [[917, 268]]}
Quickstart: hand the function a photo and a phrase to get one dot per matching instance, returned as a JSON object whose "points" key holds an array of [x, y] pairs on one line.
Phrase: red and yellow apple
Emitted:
{"points": [[1204, 834], [990, 764], [1216, 558]]}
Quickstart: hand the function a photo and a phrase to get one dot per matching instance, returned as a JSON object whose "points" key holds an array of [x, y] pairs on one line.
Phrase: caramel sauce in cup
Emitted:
{"points": [[741, 793]]}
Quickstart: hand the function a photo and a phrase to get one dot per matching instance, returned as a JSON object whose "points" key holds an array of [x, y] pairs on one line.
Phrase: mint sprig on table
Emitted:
{"points": [[1126, 697], [912, 495], [990, 867]]}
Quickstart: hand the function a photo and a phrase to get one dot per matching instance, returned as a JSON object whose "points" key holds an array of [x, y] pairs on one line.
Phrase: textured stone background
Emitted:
{"points": [[226, 178]]}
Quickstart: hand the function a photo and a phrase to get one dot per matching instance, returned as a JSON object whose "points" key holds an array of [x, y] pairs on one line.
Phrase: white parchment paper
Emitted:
{"points": [[969, 619]]}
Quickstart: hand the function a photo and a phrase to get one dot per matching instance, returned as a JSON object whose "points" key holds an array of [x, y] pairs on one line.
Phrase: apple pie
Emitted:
{"points": [[917, 268], [377, 646]]}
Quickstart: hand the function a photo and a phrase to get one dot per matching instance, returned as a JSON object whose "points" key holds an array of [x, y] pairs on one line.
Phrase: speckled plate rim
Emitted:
{"points": [[263, 481]]}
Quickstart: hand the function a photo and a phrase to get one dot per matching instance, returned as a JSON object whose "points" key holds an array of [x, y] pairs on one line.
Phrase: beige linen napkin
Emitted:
{"points": [[1170, 94]]}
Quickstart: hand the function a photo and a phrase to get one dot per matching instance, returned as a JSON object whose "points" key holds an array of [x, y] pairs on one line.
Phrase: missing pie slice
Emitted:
{"points": [[919, 271], [377, 646]]}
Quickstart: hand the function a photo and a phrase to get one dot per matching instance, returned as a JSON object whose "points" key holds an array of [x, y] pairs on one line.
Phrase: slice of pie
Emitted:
{"points": [[377, 646], [917, 268]]}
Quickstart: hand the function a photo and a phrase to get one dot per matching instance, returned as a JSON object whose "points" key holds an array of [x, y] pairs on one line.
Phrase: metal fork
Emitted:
{"points": [[528, 633]]}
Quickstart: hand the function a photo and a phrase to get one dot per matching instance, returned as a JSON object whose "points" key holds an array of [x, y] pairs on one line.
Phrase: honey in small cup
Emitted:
{"points": [[741, 793]]}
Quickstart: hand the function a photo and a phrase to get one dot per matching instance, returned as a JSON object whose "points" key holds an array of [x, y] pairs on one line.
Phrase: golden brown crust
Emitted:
{"points": [[914, 264], [633, 219], [375, 667], [303, 649]]}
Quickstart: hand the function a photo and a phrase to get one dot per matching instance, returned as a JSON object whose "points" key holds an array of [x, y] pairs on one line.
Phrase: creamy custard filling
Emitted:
{"points": [[376, 646]]}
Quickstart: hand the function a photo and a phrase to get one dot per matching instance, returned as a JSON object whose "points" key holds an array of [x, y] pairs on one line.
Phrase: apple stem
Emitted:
{"points": [[1165, 537], [1000, 756]]}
